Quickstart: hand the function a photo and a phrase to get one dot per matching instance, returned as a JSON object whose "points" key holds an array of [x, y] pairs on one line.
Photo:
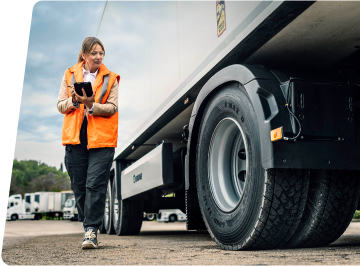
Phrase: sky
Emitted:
{"points": [[56, 33]]}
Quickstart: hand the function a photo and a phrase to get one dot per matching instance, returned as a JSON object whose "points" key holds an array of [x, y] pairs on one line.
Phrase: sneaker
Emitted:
{"points": [[90, 240]]}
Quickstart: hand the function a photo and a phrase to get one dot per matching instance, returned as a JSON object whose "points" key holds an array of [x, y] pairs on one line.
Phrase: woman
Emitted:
{"points": [[89, 134]]}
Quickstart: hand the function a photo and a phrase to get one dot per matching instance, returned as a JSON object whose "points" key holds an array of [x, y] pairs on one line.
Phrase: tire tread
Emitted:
{"points": [[284, 201], [336, 193]]}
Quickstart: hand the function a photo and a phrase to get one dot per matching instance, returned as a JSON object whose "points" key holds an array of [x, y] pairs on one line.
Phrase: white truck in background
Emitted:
{"points": [[170, 215], [70, 211], [16, 209], [65, 195]]}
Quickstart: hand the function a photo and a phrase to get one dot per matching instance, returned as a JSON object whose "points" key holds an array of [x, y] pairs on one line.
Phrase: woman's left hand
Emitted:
{"points": [[88, 101]]}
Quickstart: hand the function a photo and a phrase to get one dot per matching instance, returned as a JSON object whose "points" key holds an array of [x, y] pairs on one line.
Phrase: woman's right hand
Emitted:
{"points": [[72, 93]]}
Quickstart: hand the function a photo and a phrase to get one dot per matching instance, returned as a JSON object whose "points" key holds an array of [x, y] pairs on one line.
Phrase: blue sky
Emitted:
{"points": [[56, 33]]}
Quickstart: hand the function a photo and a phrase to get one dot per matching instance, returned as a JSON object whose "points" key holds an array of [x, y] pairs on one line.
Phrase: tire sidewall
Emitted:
{"points": [[230, 229], [109, 225]]}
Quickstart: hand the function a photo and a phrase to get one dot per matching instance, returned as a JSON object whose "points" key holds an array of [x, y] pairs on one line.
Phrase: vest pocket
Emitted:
{"points": [[103, 131]]}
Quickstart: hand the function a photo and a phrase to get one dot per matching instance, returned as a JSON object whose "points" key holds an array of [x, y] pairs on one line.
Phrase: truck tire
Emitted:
{"points": [[332, 200], [14, 217], [128, 214], [107, 220], [243, 206]]}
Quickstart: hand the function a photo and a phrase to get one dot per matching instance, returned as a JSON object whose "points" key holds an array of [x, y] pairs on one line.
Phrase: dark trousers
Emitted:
{"points": [[89, 172]]}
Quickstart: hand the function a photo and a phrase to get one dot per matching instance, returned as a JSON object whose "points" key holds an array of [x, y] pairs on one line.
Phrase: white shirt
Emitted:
{"points": [[89, 76]]}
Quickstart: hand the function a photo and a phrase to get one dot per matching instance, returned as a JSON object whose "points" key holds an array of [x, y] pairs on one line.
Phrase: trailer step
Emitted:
{"points": [[154, 170]]}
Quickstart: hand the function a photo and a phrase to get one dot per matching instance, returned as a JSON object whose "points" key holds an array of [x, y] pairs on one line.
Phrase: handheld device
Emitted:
{"points": [[83, 85]]}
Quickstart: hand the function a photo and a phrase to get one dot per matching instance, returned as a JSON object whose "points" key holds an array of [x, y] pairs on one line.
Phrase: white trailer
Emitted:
{"points": [[16, 209], [247, 110], [44, 202], [54, 202]]}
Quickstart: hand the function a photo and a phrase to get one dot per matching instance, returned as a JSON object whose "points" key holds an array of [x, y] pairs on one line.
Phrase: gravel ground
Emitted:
{"points": [[160, 243]]}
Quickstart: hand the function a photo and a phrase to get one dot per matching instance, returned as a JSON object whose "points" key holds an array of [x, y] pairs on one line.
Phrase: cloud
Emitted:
{"points": [[51, 153], [37, 58], [57, 30]]}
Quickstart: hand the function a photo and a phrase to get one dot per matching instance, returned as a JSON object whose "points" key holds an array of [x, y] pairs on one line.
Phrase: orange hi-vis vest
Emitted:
{"points": [[102, 131]]}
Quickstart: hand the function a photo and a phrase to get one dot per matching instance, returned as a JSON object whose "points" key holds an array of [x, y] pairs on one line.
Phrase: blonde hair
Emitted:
{"points": [[87, 46]]}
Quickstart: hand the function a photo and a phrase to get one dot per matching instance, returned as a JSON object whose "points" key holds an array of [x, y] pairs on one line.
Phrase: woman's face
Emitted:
{"points": [[94, 59]]}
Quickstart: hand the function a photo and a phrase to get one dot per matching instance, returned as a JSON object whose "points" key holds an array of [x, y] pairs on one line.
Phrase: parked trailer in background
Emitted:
{"points": [[247, 110], [54, 201], [48, 203]]}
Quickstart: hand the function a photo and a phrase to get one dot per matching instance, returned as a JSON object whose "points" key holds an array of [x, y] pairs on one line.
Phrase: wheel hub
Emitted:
{"points": [[227, 164]]}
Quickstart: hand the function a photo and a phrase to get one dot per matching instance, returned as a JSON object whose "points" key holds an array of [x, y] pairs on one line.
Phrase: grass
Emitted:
{"points": [[356, 215]]}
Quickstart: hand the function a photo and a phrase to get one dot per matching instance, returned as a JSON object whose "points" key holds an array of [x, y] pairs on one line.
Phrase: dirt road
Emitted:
{"points": [[58, 242]]}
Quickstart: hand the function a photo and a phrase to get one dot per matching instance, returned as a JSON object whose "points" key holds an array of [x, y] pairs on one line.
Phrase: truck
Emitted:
{"points": [[171, 215], [248, 111], [65, 195], [16, 209], [70, 210]]}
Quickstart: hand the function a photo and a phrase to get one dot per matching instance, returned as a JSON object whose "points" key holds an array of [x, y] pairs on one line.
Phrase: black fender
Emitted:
{"points": [[266, 96]]}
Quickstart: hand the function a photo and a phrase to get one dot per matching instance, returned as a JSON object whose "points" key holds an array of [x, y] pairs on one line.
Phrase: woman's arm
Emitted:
{"points": [[64, 104], [109, 108]]}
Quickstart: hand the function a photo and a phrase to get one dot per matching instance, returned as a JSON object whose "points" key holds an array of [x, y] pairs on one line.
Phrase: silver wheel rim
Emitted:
{"points": [[227, 164], [107, 208]]}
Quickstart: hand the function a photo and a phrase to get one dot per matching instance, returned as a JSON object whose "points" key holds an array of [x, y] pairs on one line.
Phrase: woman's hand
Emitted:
{"points": [[72, 93], [88, 101]]}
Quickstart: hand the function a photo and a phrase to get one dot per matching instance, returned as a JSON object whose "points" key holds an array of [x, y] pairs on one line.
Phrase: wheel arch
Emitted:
{"points": [[254, 79]]}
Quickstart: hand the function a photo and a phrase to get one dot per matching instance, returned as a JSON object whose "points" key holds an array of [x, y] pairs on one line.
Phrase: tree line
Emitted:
{"points": [[32, 176]]}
